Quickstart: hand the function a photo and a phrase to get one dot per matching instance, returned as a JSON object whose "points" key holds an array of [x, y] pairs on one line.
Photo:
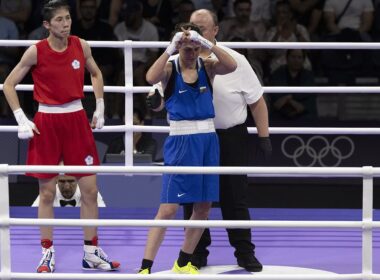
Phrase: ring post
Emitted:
{"points": [[367, 216], [5, 246], [128, 106]]}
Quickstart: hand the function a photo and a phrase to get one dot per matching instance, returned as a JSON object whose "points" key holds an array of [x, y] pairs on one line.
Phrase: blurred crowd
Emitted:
{"points": [[239, 20]]}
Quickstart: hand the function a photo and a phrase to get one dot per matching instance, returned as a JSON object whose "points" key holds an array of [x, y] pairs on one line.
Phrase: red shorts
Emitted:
{"points": [[63, 136]]}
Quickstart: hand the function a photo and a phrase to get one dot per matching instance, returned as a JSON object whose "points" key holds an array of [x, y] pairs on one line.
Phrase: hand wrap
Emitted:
{"points": [[25, 126], [196, 37], [98, 117], [173, 46]]}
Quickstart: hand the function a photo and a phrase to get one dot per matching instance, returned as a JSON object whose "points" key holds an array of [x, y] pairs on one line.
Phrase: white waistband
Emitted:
{"points": [[69, 107], [191, 127]]}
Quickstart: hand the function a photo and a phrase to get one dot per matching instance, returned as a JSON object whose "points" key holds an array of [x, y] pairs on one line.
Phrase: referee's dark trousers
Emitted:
{"points": [[233, 192]]}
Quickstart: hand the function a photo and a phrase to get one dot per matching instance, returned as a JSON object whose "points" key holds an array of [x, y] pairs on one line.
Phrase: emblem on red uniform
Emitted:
{"points": [[75, 64]]}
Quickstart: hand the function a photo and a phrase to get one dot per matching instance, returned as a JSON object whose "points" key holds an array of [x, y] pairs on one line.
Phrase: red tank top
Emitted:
{"points": [[59, 76]]}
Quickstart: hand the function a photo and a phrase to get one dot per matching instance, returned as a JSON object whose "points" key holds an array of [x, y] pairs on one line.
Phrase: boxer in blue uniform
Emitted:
{"points": [[192, 140]]}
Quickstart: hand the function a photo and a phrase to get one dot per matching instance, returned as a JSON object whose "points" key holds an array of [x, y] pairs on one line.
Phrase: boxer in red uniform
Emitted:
{"points": [[60, 130]]}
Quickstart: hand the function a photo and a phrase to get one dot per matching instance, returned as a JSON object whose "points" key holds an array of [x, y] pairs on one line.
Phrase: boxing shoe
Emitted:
{"points": [[187, 269], [47, 262], [95, 259]]}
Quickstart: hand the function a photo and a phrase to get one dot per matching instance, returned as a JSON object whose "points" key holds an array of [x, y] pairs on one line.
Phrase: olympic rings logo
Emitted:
{"points": [[317, 149]]}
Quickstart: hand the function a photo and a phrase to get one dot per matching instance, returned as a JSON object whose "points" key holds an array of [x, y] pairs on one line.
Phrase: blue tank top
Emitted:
{"points": [[190, 101]]}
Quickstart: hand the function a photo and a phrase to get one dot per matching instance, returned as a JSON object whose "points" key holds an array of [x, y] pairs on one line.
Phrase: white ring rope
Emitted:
{"points": [[188, 223], [251, 130], [351, 172], [235, 45], [310, 89], [367, 173], [192, 277]]}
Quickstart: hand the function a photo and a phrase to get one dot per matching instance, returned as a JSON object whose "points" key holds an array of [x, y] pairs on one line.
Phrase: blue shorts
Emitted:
{"points": [[201, 149]]}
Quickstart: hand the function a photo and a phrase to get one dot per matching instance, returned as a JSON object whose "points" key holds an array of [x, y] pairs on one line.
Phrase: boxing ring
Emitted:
{"points": [[19, 228]]}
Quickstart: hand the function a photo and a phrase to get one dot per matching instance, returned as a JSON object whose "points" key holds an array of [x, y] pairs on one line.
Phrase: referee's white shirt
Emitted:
{"points": [[233, 91]]}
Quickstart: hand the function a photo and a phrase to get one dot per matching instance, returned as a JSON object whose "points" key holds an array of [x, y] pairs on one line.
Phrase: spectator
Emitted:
{"points": [[18, 11], [255, 63], [261, 11], [219, 7], [241, 28], [104, 12], [293, 74], [38, 34], [348, 21], [67, 193], [309, 14], [183, 11], [160, 13], [112, 11], [8, 57], [203, 4], [241, 25], [376, 21], [90, 28], [136, 28], [286, 29], [355, 15], [143, 143]]}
